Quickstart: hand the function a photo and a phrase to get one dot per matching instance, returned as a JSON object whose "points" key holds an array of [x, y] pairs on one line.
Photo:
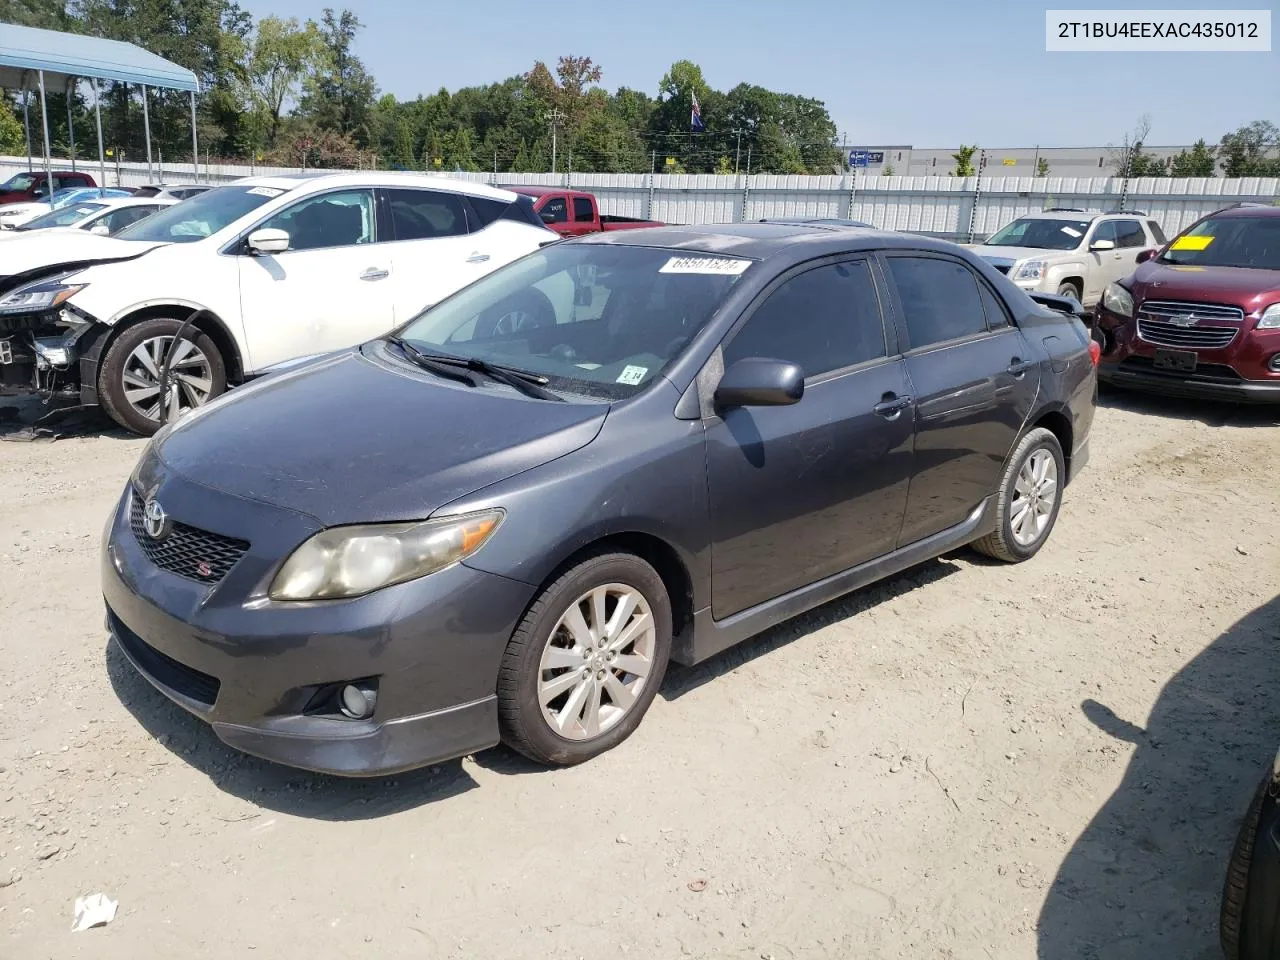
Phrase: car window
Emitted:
{"points": [[201, 216], [1040, 232], [940, 299], [425, 214], [1156, 233], [20, 183], [1129, 234], [117, 220], [824, 319], [555, 211], [1105, 231], [64, 216], [583, 212], [1247, 242], [340, 219], [997, 313]]}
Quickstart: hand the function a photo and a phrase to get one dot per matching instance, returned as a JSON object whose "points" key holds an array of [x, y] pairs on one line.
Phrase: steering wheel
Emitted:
{"points": [[525, 311]]}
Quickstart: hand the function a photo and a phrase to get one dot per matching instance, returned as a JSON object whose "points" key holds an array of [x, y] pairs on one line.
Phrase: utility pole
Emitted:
{"points": [[554, 118], [737, 154]]}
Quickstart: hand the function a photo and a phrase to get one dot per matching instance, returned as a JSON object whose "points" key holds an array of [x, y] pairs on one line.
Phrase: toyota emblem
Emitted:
{"points": [[155, 521]]}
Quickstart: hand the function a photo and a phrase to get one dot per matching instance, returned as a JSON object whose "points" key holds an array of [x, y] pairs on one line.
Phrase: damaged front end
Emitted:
{"points": [[44, 339]]}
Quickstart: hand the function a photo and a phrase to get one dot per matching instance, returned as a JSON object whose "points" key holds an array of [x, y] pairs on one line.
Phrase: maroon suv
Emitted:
{"points": [[1202, 317]]}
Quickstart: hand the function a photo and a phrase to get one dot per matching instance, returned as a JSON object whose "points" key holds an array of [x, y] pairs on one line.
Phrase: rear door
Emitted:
{"points": [[331, 289], [802, 492], [1131, 240], [974, 381]]}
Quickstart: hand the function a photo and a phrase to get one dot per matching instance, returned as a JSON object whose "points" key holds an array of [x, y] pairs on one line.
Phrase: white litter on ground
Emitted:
{"points": [[95, 910]]}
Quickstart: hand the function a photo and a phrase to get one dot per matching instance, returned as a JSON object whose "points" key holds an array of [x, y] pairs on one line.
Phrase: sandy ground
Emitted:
{"points": [[967, 761]]}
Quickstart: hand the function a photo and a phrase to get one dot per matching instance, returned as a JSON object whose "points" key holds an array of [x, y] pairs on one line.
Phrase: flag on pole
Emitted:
{"points": [[695, 118]]}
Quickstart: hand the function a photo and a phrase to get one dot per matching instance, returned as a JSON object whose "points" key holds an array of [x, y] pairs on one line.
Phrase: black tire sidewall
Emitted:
{"points": [[1063, 289], [610, 568], [1041, 439], [110, 377]]}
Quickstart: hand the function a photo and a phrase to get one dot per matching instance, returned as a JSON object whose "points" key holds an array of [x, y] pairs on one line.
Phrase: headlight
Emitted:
{"points": [[1270, 319], [39, 297], [351, 561], [1032, 270], [1118, 300]]}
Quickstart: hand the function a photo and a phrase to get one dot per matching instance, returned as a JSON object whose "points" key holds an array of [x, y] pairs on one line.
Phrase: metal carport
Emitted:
{"points": [[66, 58]]}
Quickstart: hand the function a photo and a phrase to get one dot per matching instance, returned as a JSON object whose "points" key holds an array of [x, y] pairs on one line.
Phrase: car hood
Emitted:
{"points": [[37, 249], [1014, 254], [349, 439], [1245, 288]]}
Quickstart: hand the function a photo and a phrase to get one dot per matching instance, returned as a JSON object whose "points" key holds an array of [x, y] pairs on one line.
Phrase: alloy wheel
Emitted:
{"points": [[190, 378], [1035, 495]]}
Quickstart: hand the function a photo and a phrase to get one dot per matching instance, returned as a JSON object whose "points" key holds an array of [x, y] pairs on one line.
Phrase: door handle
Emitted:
{"points": [[477, 258], [373, 273], [1017, 366], [891, 406]]}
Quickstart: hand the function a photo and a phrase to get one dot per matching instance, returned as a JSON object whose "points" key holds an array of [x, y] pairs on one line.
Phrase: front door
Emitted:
{"points": [[802, 492], [332, 287], [973, 381]]}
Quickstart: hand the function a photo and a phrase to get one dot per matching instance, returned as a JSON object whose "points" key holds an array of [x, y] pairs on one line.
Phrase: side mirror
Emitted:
{"points": [[1102, 245], [547, 216], [1145, 255], [268, 241], [760, 382]]}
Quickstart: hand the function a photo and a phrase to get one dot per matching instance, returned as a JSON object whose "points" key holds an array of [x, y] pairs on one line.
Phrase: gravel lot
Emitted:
{"points": [[967, 761]]}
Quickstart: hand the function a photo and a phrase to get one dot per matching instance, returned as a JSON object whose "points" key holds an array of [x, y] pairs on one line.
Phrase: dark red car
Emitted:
{"points": [[573, 213], [1202, 317], [30, 185]]}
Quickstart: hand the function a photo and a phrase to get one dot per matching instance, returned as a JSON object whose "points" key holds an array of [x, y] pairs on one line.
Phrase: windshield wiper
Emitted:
{"points": [[429, 364], [530, 384]]}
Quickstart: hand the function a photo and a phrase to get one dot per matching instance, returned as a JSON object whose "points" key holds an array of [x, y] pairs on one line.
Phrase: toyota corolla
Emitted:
{"points": [[503, 520]]}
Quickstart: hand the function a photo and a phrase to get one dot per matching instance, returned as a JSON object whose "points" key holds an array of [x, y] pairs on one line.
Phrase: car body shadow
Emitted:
{"points": [[1145, 878], [269, 785], [1212, 413], [28, 419]]}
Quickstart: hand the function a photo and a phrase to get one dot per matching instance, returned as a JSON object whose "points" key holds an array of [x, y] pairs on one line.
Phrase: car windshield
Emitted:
{"points": [[1251, 242], [599, 320], [63, 216], [201, 216], [1041, 233], [19, 183]]}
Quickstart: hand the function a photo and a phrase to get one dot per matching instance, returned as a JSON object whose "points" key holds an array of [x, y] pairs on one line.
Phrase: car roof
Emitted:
{"points": [[135, 201], [762, 241], [1249, 211], [315, 180]]}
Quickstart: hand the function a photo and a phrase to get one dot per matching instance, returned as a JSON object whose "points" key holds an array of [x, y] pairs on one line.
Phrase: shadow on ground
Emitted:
{"points": [[28, 420], [1213, 413], [1145, 878]]}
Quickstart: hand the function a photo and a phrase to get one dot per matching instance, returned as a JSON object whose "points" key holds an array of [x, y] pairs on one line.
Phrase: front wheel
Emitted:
{"points": [[586, 662], [129, 382], [1029, 498]]}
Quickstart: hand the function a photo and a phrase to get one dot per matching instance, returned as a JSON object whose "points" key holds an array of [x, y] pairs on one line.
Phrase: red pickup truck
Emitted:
{"points": [[572, 213], [30, 185]]}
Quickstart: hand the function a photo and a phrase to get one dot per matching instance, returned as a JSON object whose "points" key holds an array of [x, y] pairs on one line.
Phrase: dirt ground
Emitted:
{"points": [[968, 761]]}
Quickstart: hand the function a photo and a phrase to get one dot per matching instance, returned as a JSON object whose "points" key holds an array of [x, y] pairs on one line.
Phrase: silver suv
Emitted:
{"points": [[1070, 252]]}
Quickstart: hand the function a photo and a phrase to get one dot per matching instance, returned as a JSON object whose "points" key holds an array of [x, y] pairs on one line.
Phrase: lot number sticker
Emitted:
{"points": [[1191, 243], [712, 266], [632, 375], [1071, 232], [266, 192]]}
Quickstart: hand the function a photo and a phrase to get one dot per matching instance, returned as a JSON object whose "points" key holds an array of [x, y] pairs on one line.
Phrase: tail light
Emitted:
{"points": [[1095, 351]]}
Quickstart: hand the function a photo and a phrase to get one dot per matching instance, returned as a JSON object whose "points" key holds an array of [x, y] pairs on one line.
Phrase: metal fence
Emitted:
{"points": [[948, 207]]}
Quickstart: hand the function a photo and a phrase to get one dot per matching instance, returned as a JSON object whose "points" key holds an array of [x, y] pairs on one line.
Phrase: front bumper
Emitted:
{"points": [[1217, 385], [256, 670]]}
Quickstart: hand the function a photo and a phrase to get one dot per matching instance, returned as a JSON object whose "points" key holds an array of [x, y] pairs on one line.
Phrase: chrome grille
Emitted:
{"points": [[187, 551], [1191, 326], [1175, 309]]}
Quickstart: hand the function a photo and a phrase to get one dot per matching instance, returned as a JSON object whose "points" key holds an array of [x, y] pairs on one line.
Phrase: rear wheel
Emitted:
{"points": [[129, 380], [1029, 498], [1249, 924], [586, 662]]}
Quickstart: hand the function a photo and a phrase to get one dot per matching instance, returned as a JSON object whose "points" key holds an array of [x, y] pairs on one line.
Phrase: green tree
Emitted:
{"points": [[46, 14], [1200, 161], [1143, 164], [887, 170], [12, 136], [1042, 167], [339, 92], [1247, 152], [964, 161], [282, 52]]}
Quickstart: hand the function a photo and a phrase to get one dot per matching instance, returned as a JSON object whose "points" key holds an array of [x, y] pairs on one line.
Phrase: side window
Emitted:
{"points": [[582, 210], [426, 214], [1106, 230], [1129, 234], [997, 313], [340, 219], [117, 220], [1156, 233], [940, 299], [555, 211], [825, 319], [484, 211]]}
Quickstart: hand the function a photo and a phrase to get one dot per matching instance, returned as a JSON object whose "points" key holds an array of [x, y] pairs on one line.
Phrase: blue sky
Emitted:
{"points": [[926, 74]]}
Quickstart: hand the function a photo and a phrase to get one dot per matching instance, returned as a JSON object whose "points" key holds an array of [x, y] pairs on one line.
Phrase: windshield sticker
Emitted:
{"points": [[632, 375], [1071, 232], [266, 191], [588, 366], [707, 266], [1191, 243]]}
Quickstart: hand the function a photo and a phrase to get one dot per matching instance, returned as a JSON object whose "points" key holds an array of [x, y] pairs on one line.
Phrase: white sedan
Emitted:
{"points": [[266, 269], [105, 217]]}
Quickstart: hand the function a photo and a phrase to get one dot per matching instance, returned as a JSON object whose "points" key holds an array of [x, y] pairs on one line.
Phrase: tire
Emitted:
{"points": [[1249, 921], [1014, 546], [124, 371], [1069, 290], [545, 657]]}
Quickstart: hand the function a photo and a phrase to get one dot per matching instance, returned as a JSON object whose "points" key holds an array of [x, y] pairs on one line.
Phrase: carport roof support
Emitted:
{"points": [[66, 56]]}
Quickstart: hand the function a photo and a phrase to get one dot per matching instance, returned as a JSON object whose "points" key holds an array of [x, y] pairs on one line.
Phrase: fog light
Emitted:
{"points": [[358, 701], [1274, 364]]}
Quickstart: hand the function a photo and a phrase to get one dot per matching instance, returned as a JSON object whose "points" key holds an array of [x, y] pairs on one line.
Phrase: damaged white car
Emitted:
{"points": [[243, 277]]}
